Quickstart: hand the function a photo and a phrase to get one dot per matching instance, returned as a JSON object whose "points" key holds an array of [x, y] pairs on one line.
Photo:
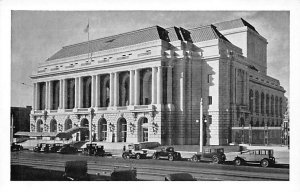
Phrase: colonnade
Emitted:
{"points": [[43, 91]]}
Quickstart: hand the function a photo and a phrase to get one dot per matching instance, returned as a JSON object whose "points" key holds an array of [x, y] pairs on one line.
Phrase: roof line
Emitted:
{"points": [[113, 36]]}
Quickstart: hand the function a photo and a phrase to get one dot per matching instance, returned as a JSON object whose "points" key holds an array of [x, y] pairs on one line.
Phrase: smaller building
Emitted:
{"points": [[20, 119]]}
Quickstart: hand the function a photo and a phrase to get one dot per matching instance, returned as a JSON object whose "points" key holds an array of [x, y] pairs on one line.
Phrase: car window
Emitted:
{"points": [[251, 152], [257, 152], [263, 152]]}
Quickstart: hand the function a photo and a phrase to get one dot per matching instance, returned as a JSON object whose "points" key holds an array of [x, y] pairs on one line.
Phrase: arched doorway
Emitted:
{"points": [[39, 126], [102, 129], [143, 130], [84, 134], [122, 130], [84, 123], [68, 124], [53, 125]]}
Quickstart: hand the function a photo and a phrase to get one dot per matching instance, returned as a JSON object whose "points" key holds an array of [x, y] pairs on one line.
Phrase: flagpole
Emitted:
{"points": [[88, 30]]}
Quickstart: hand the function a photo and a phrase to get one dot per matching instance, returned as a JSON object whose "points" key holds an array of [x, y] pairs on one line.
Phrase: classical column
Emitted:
{"points": [[34, 105], [131, 88], [64, 93], [111, 89], [170, 85], [97, 90], [38, 96], [154, 85], [80, 92], [137, 87], [60, 93], [93, 93], [159, 85], [116, 89], [76, 92], [50, 95], [47, 95]]}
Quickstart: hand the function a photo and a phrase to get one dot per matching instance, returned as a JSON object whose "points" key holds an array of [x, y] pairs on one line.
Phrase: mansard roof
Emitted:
{"points": [[198, 34], [205, 33], [124, 39], [232, 24]]}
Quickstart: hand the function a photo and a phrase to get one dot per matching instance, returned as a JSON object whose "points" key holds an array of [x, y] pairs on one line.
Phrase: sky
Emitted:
{"points": [[37, 35]]}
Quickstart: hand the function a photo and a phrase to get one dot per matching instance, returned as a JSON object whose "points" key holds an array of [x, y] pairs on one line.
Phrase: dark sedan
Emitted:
{"points": [[67, 149], [167, 153]]}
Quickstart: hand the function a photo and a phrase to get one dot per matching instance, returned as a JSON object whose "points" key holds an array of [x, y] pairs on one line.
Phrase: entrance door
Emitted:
{"points": [[122, 130]]}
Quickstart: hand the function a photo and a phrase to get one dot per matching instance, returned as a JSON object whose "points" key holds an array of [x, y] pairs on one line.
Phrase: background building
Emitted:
{"points": [[146, 85]]}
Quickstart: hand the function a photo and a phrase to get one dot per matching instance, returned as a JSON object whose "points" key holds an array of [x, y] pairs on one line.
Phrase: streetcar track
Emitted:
{"points": [[142, 170]]}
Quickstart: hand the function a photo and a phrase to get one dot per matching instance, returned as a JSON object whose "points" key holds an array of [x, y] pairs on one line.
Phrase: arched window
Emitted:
{"points": [[86, 88], [102, 129], [122, 130], [53, 125], [256, 102], [124, 89], [146, 87], [70, 86], [251, 101], [68, 124], [267, 104], [39, 126], [272, 105], [262, 103]]}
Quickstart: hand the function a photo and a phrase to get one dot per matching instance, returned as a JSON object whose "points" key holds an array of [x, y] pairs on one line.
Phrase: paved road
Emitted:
{"points": [[149, 169]]}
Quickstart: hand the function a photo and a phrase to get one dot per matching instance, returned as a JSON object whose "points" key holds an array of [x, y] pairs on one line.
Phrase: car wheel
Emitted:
{"points": [[171, 158], [154, 156], [238, 162], [124, 156], [215, 159], [195, 158], [138, 156], [264, 163]]}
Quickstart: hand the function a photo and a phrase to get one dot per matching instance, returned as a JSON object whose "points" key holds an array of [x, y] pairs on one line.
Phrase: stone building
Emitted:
{"points": [[146, 85]]}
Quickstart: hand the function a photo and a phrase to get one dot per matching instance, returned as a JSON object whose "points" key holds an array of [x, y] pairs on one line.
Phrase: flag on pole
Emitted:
{"points": [[86, 30]]}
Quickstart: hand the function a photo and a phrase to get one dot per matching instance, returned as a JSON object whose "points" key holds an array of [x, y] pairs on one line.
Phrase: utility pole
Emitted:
{"points": [[201, 126]]}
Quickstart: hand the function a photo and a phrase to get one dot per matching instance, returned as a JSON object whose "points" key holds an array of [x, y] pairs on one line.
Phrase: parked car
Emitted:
{"points": [[263, 156], [38, 147], [45, 148], [134, 151], [94, 149], [216, 155], [55, 147], [67, 149], [16, 147], [179, 177], [167, 153]]}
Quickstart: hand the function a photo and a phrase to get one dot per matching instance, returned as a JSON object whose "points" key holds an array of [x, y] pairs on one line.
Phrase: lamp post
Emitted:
{"points": [[91, 123], [201, 126]]}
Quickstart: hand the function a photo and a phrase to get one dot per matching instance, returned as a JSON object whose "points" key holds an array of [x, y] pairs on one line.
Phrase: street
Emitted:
{"points": [[149, 169]]}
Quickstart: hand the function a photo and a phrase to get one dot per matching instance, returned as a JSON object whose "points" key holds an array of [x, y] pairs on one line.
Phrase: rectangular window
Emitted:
{"points": [[209, 100], [209, 78], [210, 119]]}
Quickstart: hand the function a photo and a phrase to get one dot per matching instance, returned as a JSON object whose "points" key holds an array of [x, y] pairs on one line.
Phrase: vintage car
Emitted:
{"points": [[67, 149], [53, 148], [94, 149], [38, 147], [167, 153], [76, 171], [45, 147], [263, 156], [179, 177], [134, 151], [216, 155], [16, 147]]}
